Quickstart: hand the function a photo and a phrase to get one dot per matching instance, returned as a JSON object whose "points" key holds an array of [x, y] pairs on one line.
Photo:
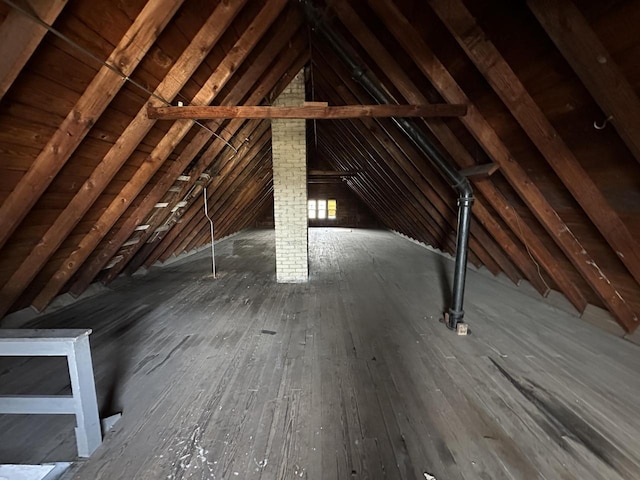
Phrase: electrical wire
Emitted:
{"points": [[529, 252], [206, 214], [113, 68]]}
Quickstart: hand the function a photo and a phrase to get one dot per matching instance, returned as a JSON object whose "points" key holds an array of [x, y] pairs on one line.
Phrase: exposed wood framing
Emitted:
{"points": [[403, 154], [457, 151], [495, 148], [584, 51], [264, 86], [306, 111], [21, 35], [115, 158], [126, 57], [506, 84], [176, 133], [330, 173]]}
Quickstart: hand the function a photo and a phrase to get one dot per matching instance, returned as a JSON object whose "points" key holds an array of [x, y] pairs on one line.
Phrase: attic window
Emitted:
{"points": [[312, 210], [322, 209], [331, 207]]}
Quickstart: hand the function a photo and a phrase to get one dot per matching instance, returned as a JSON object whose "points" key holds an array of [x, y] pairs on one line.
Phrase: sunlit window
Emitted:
{"points": [[331, 209], [322, 209], [312, 210]]}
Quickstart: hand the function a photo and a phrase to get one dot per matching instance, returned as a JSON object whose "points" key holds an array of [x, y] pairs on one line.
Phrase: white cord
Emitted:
{"points": [[213, 252]]}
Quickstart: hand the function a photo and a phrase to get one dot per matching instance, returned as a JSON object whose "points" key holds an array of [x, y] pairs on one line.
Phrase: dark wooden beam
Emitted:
{"points": [[486, 57], [306, 111], [591, 61], [135, 132], [288, 61], [488, 139], [84, 114]]}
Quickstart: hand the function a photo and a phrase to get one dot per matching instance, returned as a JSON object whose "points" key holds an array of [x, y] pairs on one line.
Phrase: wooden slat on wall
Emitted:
{"points": [[591, 61], [126, 56], [20, 36], [505, 83], [214, 84]]}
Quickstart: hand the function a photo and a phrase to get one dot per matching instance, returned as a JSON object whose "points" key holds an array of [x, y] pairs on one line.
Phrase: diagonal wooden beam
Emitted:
{"points": [[190, 59], [219, 193], [492, 65], [264, 86], [162, 220], [505, 83], [21, 35], [488, 139], [386, 62], [285, 66], [253, 130], [306, 112], [107, 82], [412, 171], [225, 70], [591, 61], [274, 77]]}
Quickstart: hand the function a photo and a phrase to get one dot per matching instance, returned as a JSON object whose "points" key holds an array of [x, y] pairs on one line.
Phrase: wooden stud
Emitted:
{"points": [[95, 99], [591, 61]]}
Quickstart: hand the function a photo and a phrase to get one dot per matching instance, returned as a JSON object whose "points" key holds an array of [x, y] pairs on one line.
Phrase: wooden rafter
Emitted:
{"points": [[84, 114], [488, 139], [591, 61], [505, 83], [21, 35], [330, 173], [463, 26], [256, 131], [457, 151], [306, 111], [266, 83], [274, 75], [163, 149], [113, 160], [428, 183], [284, 66], [227, 185]]}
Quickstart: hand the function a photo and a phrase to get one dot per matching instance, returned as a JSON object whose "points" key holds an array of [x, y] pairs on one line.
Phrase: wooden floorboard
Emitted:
{"points": [[350, 376]]}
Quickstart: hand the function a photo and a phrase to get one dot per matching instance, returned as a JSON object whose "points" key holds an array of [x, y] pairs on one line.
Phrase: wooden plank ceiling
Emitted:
{"points": [[92, 187]]}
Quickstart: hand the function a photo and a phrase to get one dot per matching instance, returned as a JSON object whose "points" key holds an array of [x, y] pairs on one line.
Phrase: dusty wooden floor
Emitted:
{"points": [[347, 377]]}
